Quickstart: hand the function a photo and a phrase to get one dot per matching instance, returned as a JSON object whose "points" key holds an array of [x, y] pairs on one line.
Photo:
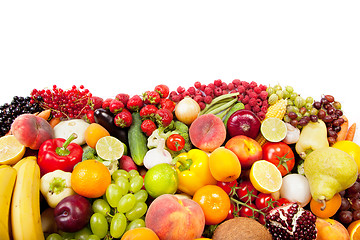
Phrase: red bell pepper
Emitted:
{"points": [[59, 153]]}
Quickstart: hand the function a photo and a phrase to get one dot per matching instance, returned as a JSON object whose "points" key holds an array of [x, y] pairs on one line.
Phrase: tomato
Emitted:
{"points": [[214, 202], [248, 211], [175, 142], [281, 201], [265, 202], [227, 186], [246, 192], [281, 155]]}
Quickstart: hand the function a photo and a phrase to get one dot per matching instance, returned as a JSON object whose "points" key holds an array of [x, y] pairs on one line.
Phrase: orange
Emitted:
{"points": [[140, 233], [331, 208], [90, 178], [224, 165], [93, 133], [214, 202], [354, 230]]}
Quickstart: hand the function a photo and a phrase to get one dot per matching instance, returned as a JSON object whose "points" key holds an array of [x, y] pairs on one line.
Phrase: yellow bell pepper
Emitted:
{"points": [[193, 171]]}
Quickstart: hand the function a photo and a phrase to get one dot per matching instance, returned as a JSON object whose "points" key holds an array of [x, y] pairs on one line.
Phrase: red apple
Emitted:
{"points": [[246, 149], [173, 218]]}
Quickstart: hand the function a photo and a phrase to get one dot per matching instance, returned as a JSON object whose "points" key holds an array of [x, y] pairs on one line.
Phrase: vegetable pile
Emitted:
{"points": [[222, 150]]}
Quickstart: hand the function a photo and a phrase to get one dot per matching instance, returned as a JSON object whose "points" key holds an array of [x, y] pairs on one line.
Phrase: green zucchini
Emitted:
{"points": [[137, 140]]}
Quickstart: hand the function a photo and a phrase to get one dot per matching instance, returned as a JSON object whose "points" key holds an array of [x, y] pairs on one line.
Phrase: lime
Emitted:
{"points": [[273, 129], [109, 148], [11, 150], [265, 177], [161, 179]]}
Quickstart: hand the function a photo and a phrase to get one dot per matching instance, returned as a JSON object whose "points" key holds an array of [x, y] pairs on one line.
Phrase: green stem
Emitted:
{"points": [[246, 205], [63, 151]]}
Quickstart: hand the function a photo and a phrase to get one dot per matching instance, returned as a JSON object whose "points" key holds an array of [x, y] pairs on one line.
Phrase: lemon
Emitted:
{"points": [[11, 150], [161, 179], [273, 129], [265, 177], [109, 148], [354, 230]]}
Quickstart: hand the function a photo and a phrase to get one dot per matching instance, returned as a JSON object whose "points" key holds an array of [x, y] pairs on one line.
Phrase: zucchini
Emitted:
{"points": [[137, 140]]}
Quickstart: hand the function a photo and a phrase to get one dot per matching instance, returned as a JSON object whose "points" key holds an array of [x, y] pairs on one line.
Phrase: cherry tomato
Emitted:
{"points": [[265, 202], [248, 212], [175, 142], [281, 201], [246, 192], [227, 186], [281, 155]]}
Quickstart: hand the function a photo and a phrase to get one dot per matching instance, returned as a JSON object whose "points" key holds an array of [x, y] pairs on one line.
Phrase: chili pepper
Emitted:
{"points": [[193, 171], [59, 153]]}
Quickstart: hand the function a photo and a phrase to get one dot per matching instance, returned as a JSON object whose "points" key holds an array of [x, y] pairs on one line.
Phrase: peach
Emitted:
{"points": [[31, 131], [207, 132], [331, 229], [173, 218]]}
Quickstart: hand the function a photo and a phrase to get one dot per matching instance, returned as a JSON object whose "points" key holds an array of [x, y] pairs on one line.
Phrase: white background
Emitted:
{"points": [[117, 46]]}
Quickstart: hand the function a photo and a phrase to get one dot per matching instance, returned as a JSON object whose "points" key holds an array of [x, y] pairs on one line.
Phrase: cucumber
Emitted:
{"points": [[137, 140], [236, 107]]}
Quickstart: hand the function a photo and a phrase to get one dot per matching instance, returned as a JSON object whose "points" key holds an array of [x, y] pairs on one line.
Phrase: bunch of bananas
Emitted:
{"points": [[20, 200]]}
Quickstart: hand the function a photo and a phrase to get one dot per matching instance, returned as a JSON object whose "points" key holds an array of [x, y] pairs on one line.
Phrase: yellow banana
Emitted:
{"points": [[21, 162], [25, 207], [7, 181]]}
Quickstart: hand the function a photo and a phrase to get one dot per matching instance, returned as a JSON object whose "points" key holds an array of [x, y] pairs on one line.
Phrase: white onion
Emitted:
{"points": [[187, 110], [295, 188]]}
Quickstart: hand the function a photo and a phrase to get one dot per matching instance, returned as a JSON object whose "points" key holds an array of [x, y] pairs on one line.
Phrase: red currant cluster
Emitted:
{"points": [[71, 103]]}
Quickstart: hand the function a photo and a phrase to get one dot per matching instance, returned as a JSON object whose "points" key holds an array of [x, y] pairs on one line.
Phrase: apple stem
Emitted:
{"points": [[323, 204]]}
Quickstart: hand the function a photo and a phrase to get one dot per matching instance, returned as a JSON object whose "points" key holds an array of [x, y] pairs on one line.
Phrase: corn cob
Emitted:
{"points": [[277, 110]]}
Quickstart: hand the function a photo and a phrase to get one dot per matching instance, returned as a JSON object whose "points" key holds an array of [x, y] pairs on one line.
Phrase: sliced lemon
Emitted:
{"points": [[11, 150], [109, 148], [273, 129], [265, 177], [354, 230]]}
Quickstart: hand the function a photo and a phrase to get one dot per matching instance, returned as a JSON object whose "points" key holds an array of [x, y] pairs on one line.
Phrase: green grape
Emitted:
{"points": [[120, 172], [137, 211], [290, 102], [307, 114], [133, 173], [113, 194], [67, 235], [93, 237], [124, 184], [280, 94], [299, 116], [101, 206], [136, 183], [135, 224], [286, 94], [308, 106], [314, 111], [273, 98], [309, 100], [292, 109], [83, 234], [289, 89], [118, 225], [99, 225], [270, 90], [299, 101], [126, 203], [287, 119], [293, 95], [277, 87], [141, 196], [54, 236]]}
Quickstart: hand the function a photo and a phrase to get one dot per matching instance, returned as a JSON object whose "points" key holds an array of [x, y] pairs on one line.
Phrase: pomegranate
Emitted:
{"points": [[291, 221]]}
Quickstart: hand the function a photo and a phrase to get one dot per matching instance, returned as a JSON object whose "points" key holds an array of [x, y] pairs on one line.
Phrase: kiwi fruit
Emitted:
{"points": [[241, 228]]}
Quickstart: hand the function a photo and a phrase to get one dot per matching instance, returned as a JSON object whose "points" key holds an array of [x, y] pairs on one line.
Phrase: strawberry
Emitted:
{"points": [[163, 90], [135, 103], [106, 103], [123, 97], [148, 126], [95, 102], [148, 112], [89, 116], [116, 106], [168, 104], [123, 119], [163, 117], [151, 97]]}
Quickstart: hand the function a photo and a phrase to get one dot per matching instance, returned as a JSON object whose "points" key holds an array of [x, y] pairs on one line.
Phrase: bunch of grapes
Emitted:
{"points": [[123, 206], [349, 210]]}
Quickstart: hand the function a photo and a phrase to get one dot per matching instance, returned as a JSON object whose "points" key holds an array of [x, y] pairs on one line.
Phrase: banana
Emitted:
{"points": [[7, 181], [25, 207], [21, 162]]}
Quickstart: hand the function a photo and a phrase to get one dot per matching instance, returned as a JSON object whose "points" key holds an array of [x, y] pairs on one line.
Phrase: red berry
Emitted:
{"points": [[123, 97], [148, 112], [89, 116], [163, 90], [116, 106], [123, 119], [151, 97], [135, 103], [168, 104], [106, 103], [95, 102], [148, 126], [163, 117]]}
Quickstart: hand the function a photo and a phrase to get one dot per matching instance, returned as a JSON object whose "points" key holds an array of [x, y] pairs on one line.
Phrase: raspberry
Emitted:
{"points": [[211, 85], [180, 89], [218, 92], [257, 90], [241, 89], [198, 93], [197, 85], [245, 84], [208, 99], [264, 108], [191, 90], [202, 105], [203, 86], [252, 102], [258, 102], [185, 94], [217, 82], [176, 98], [252, 94], [261, 115], [173, 93], [231, 86], [224, 92], [240, 97], [247, 107], [256, 109], [236, 82], [263, 95], [224, 86], [208, 91], [246, 99], [263, 87], [253, 84], [198, 98]]}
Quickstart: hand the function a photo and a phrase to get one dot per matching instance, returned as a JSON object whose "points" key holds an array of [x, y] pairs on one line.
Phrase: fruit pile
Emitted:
{"points": [[211, 161]]}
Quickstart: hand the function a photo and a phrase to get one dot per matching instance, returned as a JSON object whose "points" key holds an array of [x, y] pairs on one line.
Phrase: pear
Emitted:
{"points": [[329, 171]]}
